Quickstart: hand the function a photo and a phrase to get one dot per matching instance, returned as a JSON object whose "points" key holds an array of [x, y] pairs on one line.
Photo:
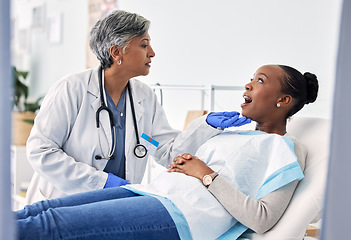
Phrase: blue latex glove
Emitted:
{"points": [[226, 119], [114, 181]]}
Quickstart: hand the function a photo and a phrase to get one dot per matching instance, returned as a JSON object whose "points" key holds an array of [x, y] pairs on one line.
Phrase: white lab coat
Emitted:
{"points": [[64, 139]]}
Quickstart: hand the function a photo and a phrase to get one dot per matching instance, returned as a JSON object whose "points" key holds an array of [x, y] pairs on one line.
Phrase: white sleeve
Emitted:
{"points": [[51, 130]]}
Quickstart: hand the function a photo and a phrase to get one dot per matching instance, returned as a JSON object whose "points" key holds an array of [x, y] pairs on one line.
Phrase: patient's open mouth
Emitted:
{"points": [[247, 99]]}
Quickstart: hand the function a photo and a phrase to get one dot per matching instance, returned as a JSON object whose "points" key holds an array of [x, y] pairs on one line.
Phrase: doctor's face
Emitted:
{"points": [[137, 58], [262, 94]]}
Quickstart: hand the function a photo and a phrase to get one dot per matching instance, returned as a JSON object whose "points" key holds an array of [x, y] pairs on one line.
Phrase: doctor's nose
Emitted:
{"points": [[151, 53]]}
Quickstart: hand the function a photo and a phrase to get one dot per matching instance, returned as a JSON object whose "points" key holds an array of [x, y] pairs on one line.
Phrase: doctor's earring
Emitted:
{"points": [[119, 62], [278, 105]]}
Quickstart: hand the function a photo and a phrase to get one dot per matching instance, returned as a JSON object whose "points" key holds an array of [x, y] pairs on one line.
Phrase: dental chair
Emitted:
{"points": [[307, 203]]}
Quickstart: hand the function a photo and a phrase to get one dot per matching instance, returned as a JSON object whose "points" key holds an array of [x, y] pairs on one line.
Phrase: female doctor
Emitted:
{"points": [[96, 129]]}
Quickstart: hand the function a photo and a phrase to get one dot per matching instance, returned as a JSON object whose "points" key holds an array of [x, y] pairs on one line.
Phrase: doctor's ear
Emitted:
{"points": [[116, 52]]}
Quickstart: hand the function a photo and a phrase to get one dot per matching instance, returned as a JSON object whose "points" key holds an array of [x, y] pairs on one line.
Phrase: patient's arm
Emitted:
{"points": [[258, 215]]}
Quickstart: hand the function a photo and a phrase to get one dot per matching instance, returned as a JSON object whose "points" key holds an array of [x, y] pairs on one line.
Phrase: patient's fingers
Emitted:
{"points": [[175, 168], [178, 160], [175, 165], [187, 156], [181, 159]]}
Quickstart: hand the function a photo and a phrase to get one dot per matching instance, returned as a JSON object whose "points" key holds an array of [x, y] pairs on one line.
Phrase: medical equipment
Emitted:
{"points": [[140, 150]]}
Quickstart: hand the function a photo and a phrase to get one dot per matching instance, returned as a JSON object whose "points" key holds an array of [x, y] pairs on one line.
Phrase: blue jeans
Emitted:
{"points": [[113, 213]]}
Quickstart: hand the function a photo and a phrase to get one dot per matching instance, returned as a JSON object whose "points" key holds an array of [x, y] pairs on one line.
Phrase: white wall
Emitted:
{"points": [[47, 62], [202, 42], [224, 42]]}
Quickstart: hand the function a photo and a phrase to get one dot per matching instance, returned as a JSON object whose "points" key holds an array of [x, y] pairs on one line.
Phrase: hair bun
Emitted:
{"points": [[312, 87]]}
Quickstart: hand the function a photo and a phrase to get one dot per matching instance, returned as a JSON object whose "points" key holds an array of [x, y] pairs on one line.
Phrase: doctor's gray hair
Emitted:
{"points": [[118, 28]]}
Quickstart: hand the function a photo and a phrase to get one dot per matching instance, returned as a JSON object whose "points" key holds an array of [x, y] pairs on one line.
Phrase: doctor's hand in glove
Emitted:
{"points": [[226, 119], [190, 165]]}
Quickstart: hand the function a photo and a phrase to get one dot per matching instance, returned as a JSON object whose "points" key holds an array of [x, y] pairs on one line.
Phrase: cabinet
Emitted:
{"points": [[21, 174]]}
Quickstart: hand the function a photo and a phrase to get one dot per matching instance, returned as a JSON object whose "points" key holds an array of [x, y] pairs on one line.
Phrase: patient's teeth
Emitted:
{"points": [[247, 99]]}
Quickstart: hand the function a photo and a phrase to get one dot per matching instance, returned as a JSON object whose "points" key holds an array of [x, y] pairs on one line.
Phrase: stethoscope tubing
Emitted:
{"points": [[140, 150]]}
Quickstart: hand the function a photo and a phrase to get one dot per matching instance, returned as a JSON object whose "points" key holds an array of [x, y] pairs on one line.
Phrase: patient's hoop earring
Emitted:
{"points": [[278, 105], [119, 62]]}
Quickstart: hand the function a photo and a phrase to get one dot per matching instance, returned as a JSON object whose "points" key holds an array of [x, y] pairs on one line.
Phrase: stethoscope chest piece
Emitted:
{"points": [[140, 151]]}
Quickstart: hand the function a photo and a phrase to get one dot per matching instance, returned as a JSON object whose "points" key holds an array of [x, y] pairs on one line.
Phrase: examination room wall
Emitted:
{"points": [[48, 49], [200, 42]]}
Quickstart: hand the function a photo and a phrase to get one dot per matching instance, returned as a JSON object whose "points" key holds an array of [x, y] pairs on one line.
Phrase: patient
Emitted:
{"points": [[235, 181]]}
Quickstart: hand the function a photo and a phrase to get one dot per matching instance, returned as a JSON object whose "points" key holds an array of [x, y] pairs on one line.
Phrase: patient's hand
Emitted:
{"points": [[190, 165], [180, 159]]}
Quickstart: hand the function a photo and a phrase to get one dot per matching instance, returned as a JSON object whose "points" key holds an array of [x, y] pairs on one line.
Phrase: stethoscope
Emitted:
{"points": [[140, 150]]}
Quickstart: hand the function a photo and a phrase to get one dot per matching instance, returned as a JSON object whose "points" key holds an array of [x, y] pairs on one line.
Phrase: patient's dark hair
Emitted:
{"points": [[303, 88]]}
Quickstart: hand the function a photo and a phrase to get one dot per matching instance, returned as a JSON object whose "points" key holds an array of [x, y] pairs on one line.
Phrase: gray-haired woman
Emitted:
{"points": [[97, 128]]}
